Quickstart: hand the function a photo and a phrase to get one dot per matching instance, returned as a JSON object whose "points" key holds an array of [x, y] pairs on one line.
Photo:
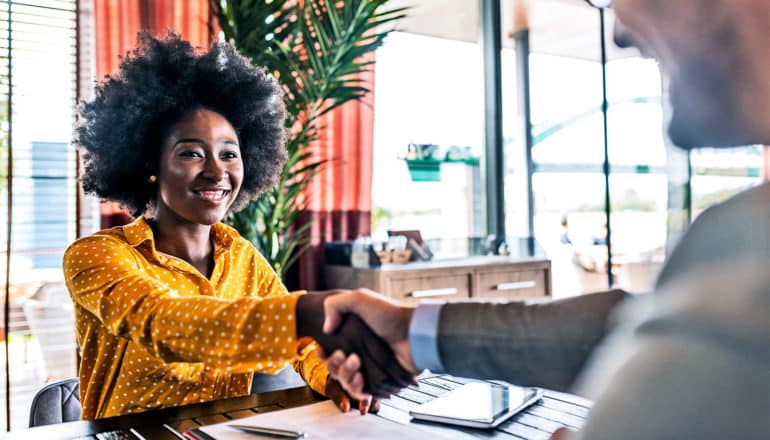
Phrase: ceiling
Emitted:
{"points": [[557, 27]]}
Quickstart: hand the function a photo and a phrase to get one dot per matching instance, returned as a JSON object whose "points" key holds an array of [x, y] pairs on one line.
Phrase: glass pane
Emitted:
{"points": [[569, 225], [638, 181], [638, 225], [718, 174], [568, 144], [515, 191], [428, 140]]}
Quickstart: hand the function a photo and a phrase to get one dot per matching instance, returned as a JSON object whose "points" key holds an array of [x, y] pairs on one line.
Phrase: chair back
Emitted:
{"points": [[56, 402], [284, 379]]}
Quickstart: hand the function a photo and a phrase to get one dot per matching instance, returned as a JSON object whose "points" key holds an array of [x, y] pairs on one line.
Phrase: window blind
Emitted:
{"points": [[38, 196]]}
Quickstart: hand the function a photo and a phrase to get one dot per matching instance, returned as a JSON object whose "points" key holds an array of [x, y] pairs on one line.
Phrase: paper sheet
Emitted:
{"points": [[324, 421]]}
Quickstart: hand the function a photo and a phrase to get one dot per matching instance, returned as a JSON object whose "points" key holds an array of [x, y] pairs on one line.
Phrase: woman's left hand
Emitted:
{"points": [[335, 392]]}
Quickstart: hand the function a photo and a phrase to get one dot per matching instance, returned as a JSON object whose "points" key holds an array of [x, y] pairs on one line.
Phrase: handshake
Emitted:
{"points": [[364, 337]]}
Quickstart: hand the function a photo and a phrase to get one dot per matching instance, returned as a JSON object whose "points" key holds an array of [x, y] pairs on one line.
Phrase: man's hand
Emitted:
{"points": [[388, 319], [381, 371]]}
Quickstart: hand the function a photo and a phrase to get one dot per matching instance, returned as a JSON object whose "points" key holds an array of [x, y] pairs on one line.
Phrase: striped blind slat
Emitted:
{"points": [[38, 195]]}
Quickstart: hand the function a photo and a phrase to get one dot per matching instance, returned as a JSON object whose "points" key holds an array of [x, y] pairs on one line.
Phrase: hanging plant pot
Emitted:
{"points": [[424, 170]]}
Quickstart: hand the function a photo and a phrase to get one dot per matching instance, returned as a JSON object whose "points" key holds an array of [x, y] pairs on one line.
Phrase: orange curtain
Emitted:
{"points": [[340, 198], [117, 23]]}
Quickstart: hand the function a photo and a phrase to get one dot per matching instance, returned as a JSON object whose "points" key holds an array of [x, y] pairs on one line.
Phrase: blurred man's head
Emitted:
{"points": [[716, 55]]}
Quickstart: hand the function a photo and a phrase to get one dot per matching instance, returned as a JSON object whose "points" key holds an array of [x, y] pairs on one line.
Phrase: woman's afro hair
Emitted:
{"points": [[121, 129]]}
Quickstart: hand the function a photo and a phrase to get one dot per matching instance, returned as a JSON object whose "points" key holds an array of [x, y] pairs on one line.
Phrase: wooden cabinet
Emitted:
{"points": [[467, 278], [508, 284]]}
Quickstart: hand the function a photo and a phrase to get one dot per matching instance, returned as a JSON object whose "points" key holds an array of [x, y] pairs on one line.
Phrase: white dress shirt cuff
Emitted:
{"points": [[423, 337]]}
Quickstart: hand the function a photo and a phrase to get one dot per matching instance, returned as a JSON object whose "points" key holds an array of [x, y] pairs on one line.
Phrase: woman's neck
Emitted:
{"points": [[189, 242]]}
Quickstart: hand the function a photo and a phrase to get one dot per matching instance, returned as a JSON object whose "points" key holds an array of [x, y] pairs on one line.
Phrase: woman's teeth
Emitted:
{"points": [[214, 196]]}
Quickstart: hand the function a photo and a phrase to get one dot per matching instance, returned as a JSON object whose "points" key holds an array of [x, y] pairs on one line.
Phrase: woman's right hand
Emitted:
{"points": [[344, 402]]}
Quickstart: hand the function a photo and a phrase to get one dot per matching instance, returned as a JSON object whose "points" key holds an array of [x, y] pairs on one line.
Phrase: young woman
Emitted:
{"points": [[176, 308]]}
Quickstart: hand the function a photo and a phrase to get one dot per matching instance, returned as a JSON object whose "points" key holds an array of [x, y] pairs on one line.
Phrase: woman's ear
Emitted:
{"points": [[151, 171]]}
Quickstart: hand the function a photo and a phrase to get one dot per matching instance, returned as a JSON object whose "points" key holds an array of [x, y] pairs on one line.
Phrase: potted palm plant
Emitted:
{"points": [[318, 50]]}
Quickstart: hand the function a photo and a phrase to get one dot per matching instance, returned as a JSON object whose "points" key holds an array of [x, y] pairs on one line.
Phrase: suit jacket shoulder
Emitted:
{"points": [[736, 228], [691, 363]]}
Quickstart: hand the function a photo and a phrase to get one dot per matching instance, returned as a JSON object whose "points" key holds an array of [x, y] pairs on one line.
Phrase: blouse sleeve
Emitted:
{"points": [[312, 369], [104, 276]]}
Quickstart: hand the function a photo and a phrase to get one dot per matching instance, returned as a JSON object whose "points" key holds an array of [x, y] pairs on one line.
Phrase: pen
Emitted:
{"points": [[270, 431], [197, 434]]}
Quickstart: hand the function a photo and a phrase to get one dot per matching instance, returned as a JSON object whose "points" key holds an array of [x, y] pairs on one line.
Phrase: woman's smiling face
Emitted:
{"points": [[200, 170]]}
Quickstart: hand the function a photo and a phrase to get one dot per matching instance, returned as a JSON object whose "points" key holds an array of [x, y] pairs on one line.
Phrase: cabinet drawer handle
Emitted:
{"points": [[516, 285], [432, 292]]}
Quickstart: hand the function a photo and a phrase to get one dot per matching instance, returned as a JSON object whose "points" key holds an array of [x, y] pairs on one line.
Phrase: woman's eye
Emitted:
{"points": [[190, 153], [230, 155]]}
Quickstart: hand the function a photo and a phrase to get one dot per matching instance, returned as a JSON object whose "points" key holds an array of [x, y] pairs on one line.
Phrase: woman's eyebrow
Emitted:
{"points": [[200, 141], [188, 140]]}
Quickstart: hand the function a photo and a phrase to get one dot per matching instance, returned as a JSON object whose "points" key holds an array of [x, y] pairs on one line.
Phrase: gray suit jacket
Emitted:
{"points": [[693, 361], [548, 344], [690, 361]]}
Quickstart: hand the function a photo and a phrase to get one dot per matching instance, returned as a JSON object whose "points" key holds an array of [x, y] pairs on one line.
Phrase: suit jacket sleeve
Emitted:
{"points": [[540, 344]]}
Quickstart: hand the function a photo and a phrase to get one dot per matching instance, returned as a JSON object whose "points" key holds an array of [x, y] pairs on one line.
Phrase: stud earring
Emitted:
{"points": [[152, 178]]}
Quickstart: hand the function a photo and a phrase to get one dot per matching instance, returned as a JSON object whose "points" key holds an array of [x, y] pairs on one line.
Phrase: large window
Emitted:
{"points": [[638, 182], [429, 94], [573, 196], [595, 225], [38, 86], [568, 182]]}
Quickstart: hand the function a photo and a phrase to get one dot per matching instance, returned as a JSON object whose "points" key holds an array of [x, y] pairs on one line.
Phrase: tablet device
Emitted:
{"points": [[477, 404]]}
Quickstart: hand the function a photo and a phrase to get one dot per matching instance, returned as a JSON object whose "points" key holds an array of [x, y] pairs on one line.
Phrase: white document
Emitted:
{"points": [[324, 421]]}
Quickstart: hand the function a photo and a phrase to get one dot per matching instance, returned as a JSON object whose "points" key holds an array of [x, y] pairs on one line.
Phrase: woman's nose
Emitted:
{"points": [[215, 170]]}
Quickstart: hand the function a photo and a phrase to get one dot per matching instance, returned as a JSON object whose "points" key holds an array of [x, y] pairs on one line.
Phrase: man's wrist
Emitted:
{"points": [[423, 337]]}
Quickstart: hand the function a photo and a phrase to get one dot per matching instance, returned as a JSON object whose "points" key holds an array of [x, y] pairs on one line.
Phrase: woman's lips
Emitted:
{"points": [[213, 196]]}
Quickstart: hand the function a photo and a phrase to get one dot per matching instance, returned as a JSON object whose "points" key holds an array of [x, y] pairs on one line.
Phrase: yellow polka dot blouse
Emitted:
{"points": [[155, 333]]}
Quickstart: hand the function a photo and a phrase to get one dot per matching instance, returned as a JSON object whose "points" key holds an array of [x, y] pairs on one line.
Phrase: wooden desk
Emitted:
{"points": [[505, 278], [537, 422], [149, 425]]}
